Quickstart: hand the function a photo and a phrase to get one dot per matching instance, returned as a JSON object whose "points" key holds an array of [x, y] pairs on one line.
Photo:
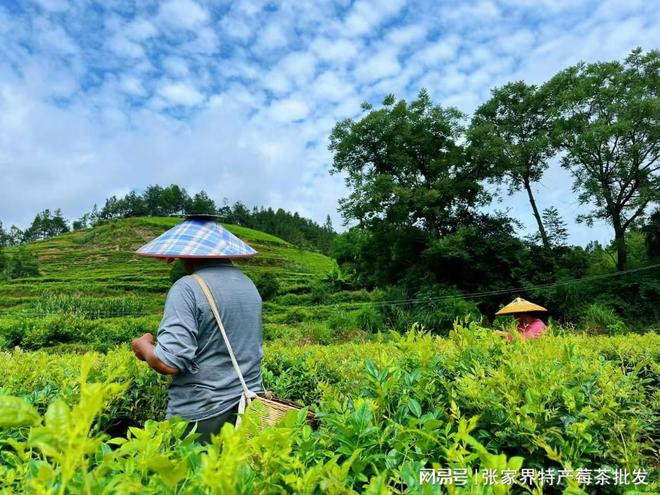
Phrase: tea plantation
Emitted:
{"points": [[79, 414]]}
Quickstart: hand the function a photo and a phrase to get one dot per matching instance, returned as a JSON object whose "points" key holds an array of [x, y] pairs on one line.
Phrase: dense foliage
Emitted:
{"points": [[416, 174], [606, 120], [22, 263], [386, 410]]}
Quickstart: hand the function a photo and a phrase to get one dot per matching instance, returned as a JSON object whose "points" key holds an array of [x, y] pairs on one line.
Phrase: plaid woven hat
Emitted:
{"points": [[197, 237]]}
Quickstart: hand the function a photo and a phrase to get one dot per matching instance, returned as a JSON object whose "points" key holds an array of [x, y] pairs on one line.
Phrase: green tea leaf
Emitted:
{"points": [[15, 412]]}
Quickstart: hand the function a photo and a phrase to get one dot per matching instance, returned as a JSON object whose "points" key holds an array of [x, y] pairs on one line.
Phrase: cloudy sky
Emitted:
{"points": [[238, 97]]}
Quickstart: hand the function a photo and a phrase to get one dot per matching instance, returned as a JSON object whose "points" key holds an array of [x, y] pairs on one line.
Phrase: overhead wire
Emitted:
{"points": [[497, 292]]}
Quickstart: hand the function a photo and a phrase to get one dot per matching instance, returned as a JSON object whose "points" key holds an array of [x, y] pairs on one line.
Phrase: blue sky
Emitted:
{"points": [[238, 98]]}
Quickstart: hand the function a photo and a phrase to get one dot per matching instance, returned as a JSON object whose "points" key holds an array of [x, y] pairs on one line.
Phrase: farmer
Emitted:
{"points": [[529, 325], [205, 388]]}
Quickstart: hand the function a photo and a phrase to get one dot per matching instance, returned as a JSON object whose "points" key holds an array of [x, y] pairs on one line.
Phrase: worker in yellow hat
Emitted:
{"points": [[529, 325]]}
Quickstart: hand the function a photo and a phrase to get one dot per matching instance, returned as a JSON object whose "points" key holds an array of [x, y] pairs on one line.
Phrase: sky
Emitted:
{"points": [[238, 98]]}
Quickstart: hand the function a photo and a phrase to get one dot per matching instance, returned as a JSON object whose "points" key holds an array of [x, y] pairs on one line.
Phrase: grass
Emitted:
{"points": [[98, 268]]}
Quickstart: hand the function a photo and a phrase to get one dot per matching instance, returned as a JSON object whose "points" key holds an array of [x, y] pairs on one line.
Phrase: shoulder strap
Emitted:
{"points": [[214, 309]]}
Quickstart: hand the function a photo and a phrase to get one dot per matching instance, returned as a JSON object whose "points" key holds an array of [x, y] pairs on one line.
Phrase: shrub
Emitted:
{"points": [[319, 292], [295, 315], [342, 320], [369, 320], [468, 401], [598, 318], [3, 264], [436, 308], [317, 333], [268, 285], [22, 264], [34, 333]]}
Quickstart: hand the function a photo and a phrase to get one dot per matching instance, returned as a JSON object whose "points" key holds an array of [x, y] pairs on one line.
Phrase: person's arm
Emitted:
{"points": [[176, 348], [507, 334], [144, 350]]}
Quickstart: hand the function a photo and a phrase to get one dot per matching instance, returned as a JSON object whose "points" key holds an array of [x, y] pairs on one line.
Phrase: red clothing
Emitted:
{"points": [[532, 330]]}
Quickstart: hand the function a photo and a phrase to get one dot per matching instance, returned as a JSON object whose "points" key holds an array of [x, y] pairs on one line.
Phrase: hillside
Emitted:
{"points": [[95, 271]]}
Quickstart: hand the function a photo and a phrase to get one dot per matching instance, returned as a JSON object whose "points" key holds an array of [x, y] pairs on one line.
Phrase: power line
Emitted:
{"points": [[397, 302], [479, 295]]}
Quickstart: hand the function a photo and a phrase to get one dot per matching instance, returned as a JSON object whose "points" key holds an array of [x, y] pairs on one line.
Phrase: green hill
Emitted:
{"points": [[95, 274]]}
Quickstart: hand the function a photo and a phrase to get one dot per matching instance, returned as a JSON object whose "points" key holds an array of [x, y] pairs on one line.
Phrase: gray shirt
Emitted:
{"points": [[189, 339]]}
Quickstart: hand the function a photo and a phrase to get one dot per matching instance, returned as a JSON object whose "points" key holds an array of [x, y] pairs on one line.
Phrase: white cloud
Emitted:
{"points": [[131, 85], [438, 51], [54, 5], [299, 66], [186, 14], [176, 66], [140, 30], [272, 37], [180, 93], [206, 42], [53, 38], [121, 46], [329, 86], [338, 51], [248, 91], [381, 64], [366, 16], [289, 110], [518, 42]]}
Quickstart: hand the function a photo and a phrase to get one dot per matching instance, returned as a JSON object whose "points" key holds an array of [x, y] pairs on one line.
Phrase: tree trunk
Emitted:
{"points": [[537, 215], [620, 242]]}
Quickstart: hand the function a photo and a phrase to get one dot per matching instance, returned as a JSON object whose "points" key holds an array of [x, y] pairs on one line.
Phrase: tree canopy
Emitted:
{"points": [[510, 137], [607, 121]]}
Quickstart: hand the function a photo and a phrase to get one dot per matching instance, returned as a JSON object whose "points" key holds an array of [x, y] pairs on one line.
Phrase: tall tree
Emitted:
{"points": [[240, 215], [652, 236], [153, 198], [408, 178], [83, 222], [510, 136], [3, 263], [45, 225], [174, 200], [201, 203], [134, 205], [4, 237], [16, 236], [556, 229], [404, 164], [607, 122]]}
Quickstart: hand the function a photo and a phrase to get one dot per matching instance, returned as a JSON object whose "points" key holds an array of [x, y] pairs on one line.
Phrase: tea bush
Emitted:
{"points": [[99, 334], [63, 451], [268, 285], [598, 318], [87, 307], [387, 409]]}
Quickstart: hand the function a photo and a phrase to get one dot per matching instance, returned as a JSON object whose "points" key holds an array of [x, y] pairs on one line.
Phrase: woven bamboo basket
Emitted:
{"points": [[275, 408]]}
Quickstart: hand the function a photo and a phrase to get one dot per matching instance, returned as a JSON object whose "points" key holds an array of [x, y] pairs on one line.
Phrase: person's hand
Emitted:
{"points": [[138, 345]]}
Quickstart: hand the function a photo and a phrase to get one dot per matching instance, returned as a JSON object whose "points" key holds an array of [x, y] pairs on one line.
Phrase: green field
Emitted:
{"points": [[79, 414], [92, 282]]}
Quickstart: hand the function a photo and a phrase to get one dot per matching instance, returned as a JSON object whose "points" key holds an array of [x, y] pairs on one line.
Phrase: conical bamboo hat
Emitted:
{"points": [[198, 236], [519, 305]]}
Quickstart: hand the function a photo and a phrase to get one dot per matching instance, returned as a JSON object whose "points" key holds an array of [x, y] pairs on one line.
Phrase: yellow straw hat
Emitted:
{"points": [[519, 305]]}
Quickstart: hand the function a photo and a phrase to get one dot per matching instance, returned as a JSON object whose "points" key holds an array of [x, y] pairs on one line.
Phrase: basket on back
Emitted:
{"points": [[274, 408]]}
